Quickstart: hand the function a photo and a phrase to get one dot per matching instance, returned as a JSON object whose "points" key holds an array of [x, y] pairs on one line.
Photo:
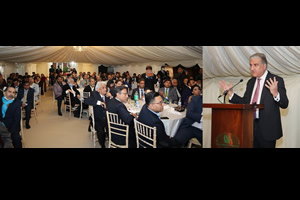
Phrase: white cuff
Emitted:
{"points": [[231, 96], [99, 103], [277, 98]]}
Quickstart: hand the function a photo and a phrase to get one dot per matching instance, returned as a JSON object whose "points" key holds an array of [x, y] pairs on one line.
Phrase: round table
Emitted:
{"points": [[171, 125]]}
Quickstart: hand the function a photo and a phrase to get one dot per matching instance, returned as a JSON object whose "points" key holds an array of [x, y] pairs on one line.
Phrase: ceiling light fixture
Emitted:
{"points": [[79, 48]]}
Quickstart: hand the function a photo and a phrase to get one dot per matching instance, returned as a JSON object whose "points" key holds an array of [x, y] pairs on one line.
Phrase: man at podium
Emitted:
{"points": [[267, 89]]}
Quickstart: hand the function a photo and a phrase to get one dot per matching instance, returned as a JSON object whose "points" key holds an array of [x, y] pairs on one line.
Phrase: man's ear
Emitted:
{"points": [[265, 66]]}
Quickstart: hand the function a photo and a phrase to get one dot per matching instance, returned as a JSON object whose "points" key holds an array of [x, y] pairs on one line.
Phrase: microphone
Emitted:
{"points": [[226, 91]]}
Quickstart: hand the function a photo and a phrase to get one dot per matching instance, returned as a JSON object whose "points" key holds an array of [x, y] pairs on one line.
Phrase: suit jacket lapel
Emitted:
{"points": [[251, 89], [265, 89]]}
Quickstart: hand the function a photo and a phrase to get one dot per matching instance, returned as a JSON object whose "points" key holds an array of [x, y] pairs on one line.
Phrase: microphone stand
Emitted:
{"points": [[225, 93]]}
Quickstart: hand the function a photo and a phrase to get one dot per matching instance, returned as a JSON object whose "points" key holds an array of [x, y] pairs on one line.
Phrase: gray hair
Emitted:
{"points": [[99, 84], [261, 56]]}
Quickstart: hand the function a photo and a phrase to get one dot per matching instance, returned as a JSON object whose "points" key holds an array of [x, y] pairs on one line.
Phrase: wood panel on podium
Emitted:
{"points": [[232, 125]]}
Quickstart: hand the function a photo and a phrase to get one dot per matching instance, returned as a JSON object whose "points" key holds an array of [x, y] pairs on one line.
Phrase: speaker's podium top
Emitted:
{"points": [[233, 106]]}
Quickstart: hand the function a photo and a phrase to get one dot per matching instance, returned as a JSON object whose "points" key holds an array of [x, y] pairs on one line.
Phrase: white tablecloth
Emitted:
{"points": [[172, 124]]}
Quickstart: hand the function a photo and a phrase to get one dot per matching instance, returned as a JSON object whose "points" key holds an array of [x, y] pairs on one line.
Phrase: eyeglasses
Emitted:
{"points": [[125, 93], [161, 102]]}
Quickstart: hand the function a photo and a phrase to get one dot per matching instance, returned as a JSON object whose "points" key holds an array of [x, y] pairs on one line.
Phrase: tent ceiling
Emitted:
{"points": [[220, 61], [110, 55]]}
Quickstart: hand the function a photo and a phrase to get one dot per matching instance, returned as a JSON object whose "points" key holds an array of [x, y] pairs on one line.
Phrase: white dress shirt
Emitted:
{"points": [[103, 98], [141, 92], [262, 85]]}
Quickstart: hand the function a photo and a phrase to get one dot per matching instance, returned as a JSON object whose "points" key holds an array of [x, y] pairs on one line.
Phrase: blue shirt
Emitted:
{"points": [[158, 115]]}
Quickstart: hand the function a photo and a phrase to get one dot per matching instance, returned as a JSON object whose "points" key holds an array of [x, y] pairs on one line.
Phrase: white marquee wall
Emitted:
{"points": [[231, 64]]}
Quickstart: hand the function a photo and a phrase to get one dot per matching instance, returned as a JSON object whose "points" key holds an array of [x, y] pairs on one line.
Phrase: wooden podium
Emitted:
{"points": [[232, 125]]}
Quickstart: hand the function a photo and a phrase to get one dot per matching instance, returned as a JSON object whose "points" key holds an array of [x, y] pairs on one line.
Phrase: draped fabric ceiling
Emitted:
{"points": [[234, 60], [231, 63], [110, 55]]}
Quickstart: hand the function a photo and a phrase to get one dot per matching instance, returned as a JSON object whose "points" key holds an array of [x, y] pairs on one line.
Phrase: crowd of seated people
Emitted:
{"points": [[109, 92]]}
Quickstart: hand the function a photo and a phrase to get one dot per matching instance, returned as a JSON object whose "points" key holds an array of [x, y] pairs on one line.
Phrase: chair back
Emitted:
{"points": [[145, 135], [118, 131], [86, 95]]}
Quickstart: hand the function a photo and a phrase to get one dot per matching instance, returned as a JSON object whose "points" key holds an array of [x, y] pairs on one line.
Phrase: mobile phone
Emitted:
{"points": [[164, 118]]}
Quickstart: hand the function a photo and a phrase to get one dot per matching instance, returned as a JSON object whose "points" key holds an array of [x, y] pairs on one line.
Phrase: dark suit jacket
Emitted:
{"points": [[73, 99], [30, 96], [89, 89], [186, 93], [194, 112], [99, 111], [138, 90], [150, 81], [148, 118], [269, 117], [13, 115], [117, 107]]}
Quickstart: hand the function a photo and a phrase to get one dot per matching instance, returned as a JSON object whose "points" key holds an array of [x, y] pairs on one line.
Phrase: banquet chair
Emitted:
{"points": [[93, 131], [117, 129], [68, 104], [194, 141], [33, 110], [145, 135], [85, 96]]}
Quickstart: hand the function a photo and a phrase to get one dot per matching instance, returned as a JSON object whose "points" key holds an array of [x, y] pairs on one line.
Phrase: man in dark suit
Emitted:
{"points": [[150, 78], [267, 89], [163, 75], [26, 96], [10, 114], [140, 90], [99, 101], [113, 91], [149, 116], [180, 76], [91, 87], [191, 124], [116, 105], [75, 95]]}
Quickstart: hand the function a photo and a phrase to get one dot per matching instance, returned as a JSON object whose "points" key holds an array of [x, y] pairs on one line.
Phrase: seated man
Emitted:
{"points": [[168, 93], [36, 88], [17, 85], [149, 115], [140, 89], [10, 115], [116, 105], [113, 90], [85, 81], [98, 100], [175, 86], [26, 96], [91, 87], [187, 91], [191, 125], [75, 95]]}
